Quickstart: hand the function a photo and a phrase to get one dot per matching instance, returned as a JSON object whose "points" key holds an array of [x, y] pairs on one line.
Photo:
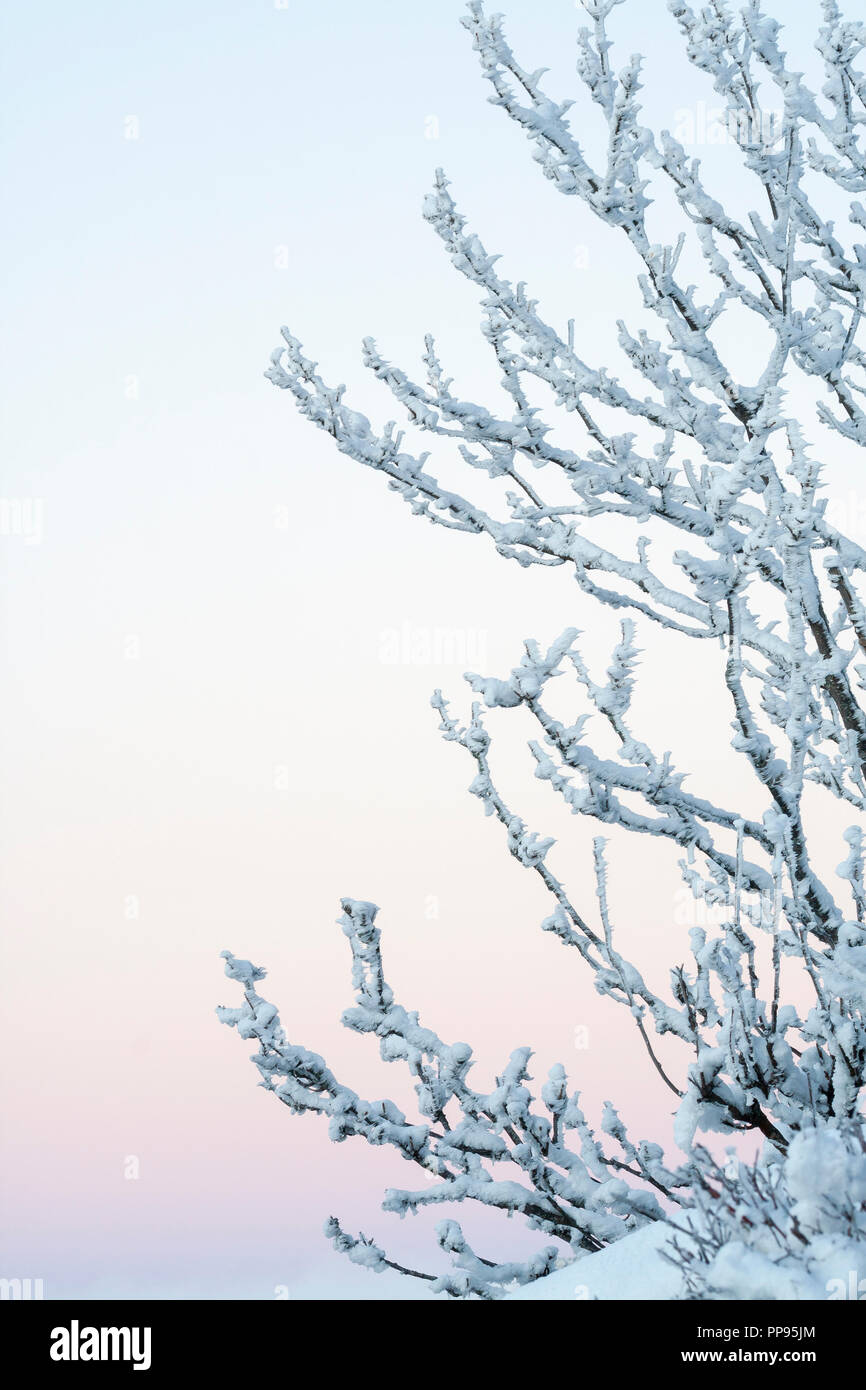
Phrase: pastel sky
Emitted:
{"points": [[215, 681]]}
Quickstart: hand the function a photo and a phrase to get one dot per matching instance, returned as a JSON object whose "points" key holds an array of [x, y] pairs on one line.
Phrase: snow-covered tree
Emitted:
{"points": [[767, 1018]]}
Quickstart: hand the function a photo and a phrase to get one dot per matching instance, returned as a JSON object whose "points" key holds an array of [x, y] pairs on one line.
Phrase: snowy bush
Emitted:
{"points": [[756, 572], [791, 1226]]}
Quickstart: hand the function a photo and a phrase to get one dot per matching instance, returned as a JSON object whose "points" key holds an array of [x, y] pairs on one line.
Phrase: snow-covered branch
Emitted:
{"points": [[714, 479]]}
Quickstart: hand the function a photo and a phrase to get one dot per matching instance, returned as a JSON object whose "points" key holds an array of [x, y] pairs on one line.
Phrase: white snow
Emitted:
{"points": [[631, 1268]]}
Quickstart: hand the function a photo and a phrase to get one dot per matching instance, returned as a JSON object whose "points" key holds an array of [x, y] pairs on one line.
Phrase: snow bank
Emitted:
{"points": [[633, 1267]]}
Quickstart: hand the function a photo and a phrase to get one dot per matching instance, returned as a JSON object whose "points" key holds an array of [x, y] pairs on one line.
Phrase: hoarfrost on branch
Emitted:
{"points": [[730, 469]]}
